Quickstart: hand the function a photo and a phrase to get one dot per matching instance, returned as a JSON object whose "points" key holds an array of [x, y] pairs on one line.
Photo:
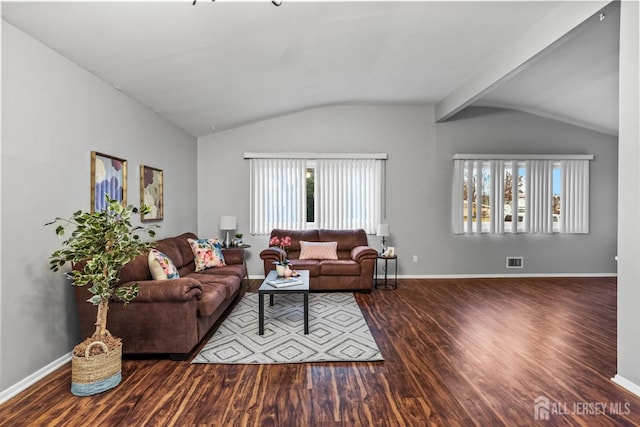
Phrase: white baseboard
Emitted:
{"points": [[484, 276], [626, 384], [35, 377]]}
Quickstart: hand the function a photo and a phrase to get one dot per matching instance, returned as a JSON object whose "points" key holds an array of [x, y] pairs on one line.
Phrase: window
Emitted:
{"points": [[327, 192], [311, 191], [530, 194]]}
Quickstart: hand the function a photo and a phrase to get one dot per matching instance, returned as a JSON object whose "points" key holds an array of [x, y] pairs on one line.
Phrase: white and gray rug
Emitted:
{"points": [[337, 332]]}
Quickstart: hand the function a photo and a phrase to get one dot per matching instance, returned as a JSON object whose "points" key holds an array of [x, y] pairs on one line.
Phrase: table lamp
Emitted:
{"points": [[227, 223], [383, 231]]}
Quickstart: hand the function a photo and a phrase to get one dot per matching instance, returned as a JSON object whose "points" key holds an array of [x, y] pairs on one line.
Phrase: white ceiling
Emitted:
{"points": [[576, 82], [228, 64]]}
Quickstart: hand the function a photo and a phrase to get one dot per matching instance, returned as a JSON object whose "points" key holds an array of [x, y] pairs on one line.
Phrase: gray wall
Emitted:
{"points": [[490, 131], [403, 132], [53, 114], [629, 227], [419, 171]]}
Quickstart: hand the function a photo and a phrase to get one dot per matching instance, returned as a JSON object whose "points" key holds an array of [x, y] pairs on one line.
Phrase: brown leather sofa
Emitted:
{"points": [[353, 270], [169, 316]]}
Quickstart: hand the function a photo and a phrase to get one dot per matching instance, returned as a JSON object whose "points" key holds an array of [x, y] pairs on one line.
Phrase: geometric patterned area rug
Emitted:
{"points": [[337, 332]]}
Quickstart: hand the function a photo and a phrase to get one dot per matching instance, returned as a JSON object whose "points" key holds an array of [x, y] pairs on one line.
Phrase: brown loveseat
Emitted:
{"points": [[169, 316], [353, 270]]}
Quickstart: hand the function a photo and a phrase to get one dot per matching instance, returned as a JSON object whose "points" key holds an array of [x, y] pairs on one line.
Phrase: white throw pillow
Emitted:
{"points": [[161, 266]]}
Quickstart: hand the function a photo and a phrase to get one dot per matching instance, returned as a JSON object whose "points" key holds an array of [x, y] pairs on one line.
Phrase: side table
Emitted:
{"points": [[387, 282], [242, 248]]}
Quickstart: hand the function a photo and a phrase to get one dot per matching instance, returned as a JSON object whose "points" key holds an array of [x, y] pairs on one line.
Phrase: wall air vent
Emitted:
{"points": [[515, 262]]}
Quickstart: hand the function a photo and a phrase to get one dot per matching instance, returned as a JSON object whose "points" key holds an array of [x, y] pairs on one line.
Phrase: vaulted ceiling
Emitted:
{"points": [[224, 65]]}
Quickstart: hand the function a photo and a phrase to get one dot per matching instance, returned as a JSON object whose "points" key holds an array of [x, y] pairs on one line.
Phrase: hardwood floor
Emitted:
{"points": [[458, 353]]}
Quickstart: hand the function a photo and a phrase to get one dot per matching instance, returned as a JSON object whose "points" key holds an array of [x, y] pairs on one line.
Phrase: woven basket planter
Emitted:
{"points": [[94, 374]]}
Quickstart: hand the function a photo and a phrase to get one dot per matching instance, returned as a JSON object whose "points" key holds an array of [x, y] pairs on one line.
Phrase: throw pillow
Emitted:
{"points": [[207, 253], [161, 266], [318, 250]]}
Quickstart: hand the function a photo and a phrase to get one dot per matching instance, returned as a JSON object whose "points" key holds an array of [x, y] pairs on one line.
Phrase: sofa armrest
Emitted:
{"points": [[360, 253], [273, 253], [233, 256], [171, 290]]}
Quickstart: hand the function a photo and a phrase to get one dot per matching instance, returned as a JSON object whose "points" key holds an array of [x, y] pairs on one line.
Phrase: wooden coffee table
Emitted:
{"points": [[266, 288]]}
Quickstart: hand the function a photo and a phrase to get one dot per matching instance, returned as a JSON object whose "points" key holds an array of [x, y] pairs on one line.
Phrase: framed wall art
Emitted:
{"points": [[151, 193], [108, 176]]}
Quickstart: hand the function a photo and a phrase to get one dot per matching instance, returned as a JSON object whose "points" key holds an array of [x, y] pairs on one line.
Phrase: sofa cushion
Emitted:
{"points": [[161, 266], [296, 237], [179, 250], [339, 268], [135, 270], [213, 295], [237, 270], [318, 250], [230, 284], [207, 253], [347, 239], [311, 265]]}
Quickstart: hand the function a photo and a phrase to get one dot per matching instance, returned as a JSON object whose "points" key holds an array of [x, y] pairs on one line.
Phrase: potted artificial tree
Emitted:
{"points": [[99, 245]]}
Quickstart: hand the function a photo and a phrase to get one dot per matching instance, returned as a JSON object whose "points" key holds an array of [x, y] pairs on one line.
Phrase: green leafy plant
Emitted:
{"points": [[99, 245]]}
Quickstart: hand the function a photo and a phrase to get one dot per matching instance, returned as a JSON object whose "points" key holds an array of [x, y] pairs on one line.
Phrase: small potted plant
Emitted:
{"points": [[238, 240], [99, 245]]}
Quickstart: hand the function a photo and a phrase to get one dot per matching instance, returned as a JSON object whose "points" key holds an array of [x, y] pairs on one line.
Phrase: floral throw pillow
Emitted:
{"points": [[161, 266], [207, 253]]}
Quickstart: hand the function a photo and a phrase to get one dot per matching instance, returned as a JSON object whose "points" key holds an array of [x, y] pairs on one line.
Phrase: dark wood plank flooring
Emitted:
{"points": [[458, 353]]}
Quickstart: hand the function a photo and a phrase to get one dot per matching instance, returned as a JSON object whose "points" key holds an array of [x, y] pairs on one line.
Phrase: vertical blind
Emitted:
{"points": [[348, 193], [278, 194], [539, 196], [575, 191], [481, 183]]}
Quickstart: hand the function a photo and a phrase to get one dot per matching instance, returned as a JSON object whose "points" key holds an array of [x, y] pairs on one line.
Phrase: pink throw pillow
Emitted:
{"points": [[318, 250]]}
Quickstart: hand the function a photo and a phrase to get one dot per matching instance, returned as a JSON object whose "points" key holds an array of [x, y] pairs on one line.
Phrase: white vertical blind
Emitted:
{"points": [[477, 165], [539, 196], [515, 195], [574, 197], [469, 183], [536, 208], [457, 201], [348, 193], [278, 193], [497, 199]]}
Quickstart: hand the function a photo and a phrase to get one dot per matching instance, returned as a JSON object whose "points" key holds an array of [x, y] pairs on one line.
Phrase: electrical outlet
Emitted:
{"points": [[415, 258]]}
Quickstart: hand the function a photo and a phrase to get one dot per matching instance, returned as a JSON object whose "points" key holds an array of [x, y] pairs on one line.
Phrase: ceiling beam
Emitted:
{"points": [[550, 32]]}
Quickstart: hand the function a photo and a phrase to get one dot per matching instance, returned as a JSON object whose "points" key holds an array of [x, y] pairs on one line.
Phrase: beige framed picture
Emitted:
{"points": [[151, 192]]}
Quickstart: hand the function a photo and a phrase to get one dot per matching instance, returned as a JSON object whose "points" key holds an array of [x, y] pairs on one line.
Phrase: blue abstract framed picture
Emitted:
{"points": [[108, 176]]}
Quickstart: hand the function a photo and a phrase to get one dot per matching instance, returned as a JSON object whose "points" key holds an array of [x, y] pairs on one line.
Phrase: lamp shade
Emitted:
{"points": [[227, 223], [383, 230]]}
